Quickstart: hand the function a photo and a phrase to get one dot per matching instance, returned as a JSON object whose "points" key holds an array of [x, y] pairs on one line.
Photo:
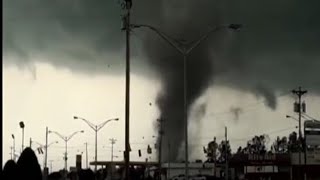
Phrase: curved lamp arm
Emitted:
{"points": [[291, 117], [234, 27], [104, 123], [163, 35], [56, 142], [86, 121], [68, 138], [202, 38], [41, 145], [58, 134]]}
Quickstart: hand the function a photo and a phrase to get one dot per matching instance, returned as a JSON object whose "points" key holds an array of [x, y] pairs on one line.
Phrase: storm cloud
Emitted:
{"points": [[277, 50]]}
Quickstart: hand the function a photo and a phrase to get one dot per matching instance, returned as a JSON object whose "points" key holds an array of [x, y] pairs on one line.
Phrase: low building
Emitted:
{"points": [[267, 166], [172, 170]]}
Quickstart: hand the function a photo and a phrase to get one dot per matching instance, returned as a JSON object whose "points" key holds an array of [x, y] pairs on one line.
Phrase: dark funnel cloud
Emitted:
{"points": [[270, 97], [277, 50], [168, 63]]}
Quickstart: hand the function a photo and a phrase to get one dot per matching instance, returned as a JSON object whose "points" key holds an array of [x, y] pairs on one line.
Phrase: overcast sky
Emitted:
{"points": [[67, 58]]}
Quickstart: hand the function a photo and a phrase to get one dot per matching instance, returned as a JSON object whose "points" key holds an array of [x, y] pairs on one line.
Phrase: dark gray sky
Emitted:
{"points": [[278, 46]]}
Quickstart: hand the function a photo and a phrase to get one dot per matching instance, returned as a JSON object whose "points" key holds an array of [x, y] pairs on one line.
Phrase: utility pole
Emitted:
{"points": [[30, 143], [86, 154], [127, 4], [298, 107], [226, 149]]}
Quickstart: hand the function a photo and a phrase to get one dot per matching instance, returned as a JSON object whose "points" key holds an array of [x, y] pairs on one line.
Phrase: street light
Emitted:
{"points": [[44, 146], [96, 128], [66, 139], [21, 124], [86, 155], [46, 152], [185, 50], [14, 148], [291, 117]]}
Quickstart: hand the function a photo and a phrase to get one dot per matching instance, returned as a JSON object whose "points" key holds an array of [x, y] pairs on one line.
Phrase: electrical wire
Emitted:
{"points": [[267, 133], [249, 106]]}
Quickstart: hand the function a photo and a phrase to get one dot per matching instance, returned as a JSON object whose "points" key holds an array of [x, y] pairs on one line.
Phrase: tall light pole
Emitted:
{"points": [[96, 128], [21, 124], [185, 50], [45, 168], [51, 165], [127, 4], [113, 141], [14, 147], [11, 152], [86, 154], [161, 132], [66, 139]]}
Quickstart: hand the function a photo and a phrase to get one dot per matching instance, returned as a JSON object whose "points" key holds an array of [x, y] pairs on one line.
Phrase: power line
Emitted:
{"points": [[247, 138], [245, 108], [267, 133]]}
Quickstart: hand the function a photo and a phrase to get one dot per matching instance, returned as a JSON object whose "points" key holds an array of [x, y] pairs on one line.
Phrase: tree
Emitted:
{"points": [[257, 145], [28, 165], [224, 150], [293, 145], [286, 145], [280, 145], [211, 150]]}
